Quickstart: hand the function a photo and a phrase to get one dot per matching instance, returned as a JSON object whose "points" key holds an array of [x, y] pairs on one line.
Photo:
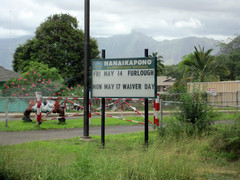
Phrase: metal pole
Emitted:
{"points": [[146, 110], [121, 108], [90, 108], [103, 123], [6, 111], [146, 121], [161, 112], [103, 113], [237, 99], [103, 53], [86, 68]]}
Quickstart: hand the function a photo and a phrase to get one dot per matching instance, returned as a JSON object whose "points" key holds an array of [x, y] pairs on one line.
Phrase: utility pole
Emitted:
{"points": [[86, 68]]}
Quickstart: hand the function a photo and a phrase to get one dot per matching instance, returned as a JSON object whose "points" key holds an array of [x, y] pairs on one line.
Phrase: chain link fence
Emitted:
{"points": [[12, 108]]}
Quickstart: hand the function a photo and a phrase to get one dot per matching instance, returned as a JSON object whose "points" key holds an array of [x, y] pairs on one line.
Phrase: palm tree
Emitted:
{"points": [[160, 66], [203, 65]]}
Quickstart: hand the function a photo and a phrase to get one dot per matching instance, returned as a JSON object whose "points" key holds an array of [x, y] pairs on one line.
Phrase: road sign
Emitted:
{"points": [[124, 78]]}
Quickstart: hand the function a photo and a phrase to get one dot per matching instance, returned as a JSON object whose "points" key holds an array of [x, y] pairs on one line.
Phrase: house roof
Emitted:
{"points": [[6, 74], [165, 81]]}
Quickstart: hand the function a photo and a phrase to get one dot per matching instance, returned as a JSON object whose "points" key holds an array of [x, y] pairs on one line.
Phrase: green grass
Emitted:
{"points": [[124, 157], [70, 123], [225, 116], [19, 125]]}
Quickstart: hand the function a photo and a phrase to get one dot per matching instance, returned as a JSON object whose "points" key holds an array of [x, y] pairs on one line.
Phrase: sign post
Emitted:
{"points": [[146, 109], [124, 78], [103, 114]]}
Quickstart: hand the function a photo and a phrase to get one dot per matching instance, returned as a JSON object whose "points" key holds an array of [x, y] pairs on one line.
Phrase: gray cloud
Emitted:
{"points": [[162, 19]]}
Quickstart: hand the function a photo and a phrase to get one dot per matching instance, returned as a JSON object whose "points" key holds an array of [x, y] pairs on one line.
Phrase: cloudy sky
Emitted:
{"points": [[160, 19]]}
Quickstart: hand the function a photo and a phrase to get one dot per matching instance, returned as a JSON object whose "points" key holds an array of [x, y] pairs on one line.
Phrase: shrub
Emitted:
{"points": [[177, 130], [39, 78], [195, 111], [227, 139], [193, 118]]}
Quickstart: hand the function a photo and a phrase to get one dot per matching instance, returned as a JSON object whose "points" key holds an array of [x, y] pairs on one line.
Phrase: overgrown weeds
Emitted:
{"points": [[124, 157], [227, 139]]}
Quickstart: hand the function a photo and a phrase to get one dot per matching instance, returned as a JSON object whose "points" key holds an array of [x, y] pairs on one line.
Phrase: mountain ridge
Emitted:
{"points": [[133, 45], [7, 49], [129, 45]]}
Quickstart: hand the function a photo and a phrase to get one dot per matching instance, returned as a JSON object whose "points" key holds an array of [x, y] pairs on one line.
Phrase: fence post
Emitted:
{"points": [[90, 110], [237, 99], [157, 110], [18, 105], [161, 112], [39, 115], [65, 105], [121, 108], [6, 112], [154, 113]]}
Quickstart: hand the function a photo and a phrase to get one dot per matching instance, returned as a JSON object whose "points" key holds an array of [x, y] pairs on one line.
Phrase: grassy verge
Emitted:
{"points": [[19, 125], [70, 123], [124, 157], [225, 116]]}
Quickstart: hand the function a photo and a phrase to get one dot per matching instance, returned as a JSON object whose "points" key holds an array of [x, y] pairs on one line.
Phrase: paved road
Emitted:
{"points": [[10, 138]]}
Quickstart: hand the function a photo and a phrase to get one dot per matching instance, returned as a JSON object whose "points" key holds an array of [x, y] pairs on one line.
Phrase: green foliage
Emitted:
{"points": [[177, 130], [39, 78], [227, 139], [180, 86], [203, 67], [160, 65], [43, 69], [178, 73], [230, 57], [194, 111], [58, 43]]}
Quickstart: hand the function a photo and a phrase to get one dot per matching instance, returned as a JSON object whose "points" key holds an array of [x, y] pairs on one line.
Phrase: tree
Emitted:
{"points": [[203, 67], [160, 65], [230, 57], [38, 77], [178, 73], [58, 43]]}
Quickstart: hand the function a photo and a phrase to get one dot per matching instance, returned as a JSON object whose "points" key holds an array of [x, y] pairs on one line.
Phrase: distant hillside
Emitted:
{"points": [[7, 49], [133, 45], [130, 45], [234, 44]]}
